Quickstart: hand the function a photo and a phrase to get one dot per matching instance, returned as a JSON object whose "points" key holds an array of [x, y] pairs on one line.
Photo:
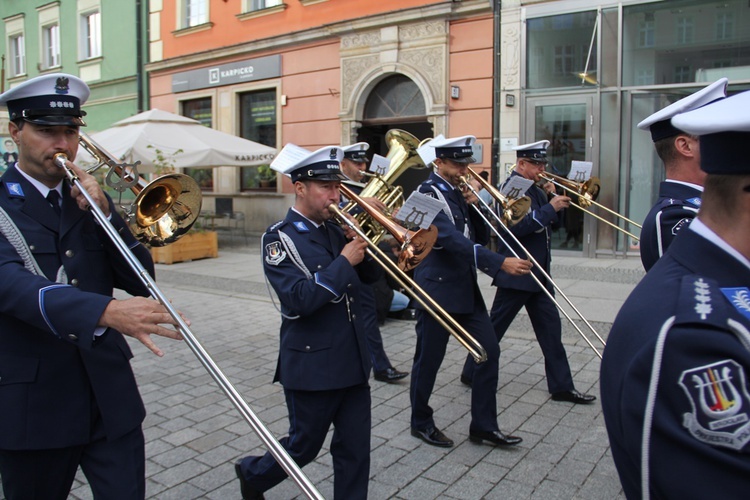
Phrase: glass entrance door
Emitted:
{"points": [[567, 123]]}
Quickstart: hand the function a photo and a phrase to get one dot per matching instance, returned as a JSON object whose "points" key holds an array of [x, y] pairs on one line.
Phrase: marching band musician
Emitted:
{"points": [[67, 389], [317, 270], [514, 292], [449, 275], [680, 192], [674, 375], [353, 165]]}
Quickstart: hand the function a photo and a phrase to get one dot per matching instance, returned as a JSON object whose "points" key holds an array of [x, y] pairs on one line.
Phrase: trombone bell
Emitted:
{"points": [[165, 209]]}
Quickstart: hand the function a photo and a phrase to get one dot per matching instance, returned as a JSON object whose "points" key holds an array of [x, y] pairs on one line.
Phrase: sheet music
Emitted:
{"points": [[289, 156], [379, 165], [516, 187], [419, 210], [580, 171]]}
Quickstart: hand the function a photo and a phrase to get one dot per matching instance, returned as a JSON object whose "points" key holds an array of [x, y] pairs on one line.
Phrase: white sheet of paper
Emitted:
{"points": [[419, 210], [290, 155], [580, 171], [516, 187], [379, 165]]}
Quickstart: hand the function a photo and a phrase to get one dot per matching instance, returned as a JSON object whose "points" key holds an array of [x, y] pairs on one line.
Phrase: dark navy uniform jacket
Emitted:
{"points": [[677, 205], [674, 376], [533, 231], [448, 274], [50, 362], [322, 332]]}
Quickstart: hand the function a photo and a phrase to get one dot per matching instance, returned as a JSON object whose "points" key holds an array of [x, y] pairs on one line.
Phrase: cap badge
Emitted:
{"points": [[468, 142], [333, 154], [61, 85]]}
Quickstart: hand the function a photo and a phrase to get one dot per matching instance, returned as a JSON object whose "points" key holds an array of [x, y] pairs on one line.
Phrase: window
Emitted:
{"points": [[263, 4], [646, 34], [91, 35], [51, 45], [196, 13], [258, 123], [685, 29], [682, 74], [200, 109], [724, 26], [562, 43], [17, 55]]}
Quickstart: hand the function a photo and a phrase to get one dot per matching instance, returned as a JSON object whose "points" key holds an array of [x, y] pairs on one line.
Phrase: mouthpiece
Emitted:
{"points": [[60, 159]]}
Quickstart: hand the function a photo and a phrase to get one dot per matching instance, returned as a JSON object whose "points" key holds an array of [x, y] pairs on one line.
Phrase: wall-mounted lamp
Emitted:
{"points": [[510, 100], [455, 92]]}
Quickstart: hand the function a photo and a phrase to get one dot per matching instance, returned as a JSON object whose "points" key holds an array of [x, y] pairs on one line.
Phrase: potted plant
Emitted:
{"points": [[266, 176]]}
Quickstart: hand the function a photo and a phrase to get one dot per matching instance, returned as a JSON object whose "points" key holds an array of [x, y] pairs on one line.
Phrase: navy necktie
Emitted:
{"points": [[53, 197]]}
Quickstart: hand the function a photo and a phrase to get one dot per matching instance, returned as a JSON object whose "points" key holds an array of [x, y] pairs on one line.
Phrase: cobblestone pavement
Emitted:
{"points": [[194, 433]]}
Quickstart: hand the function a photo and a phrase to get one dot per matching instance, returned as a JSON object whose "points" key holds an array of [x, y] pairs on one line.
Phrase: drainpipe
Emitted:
{"points": [[495, 164], [139, 53]]}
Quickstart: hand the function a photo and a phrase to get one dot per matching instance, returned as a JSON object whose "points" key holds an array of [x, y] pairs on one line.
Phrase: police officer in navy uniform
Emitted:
{"points": [[680, 193], [315, 268], [449, 275], [353, 165], [674, 376], [515, 292], [67, 390]]}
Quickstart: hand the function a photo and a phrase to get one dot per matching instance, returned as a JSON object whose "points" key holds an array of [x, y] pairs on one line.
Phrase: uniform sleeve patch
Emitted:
{"points": [[720, 403], [680, 224], [694, 201], [274, 253]]}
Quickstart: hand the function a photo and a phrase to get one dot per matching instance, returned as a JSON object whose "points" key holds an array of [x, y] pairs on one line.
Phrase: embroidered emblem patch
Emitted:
{"points": [[694, 201], [720, 404], [14, 189], [740, 299], [274, 253], [301, 227], [680, 224]]}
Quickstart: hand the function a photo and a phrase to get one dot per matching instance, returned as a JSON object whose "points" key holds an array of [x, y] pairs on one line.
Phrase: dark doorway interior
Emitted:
{"points": [[374, 135]]}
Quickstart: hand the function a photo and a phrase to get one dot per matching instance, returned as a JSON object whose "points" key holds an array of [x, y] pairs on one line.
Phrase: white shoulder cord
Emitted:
{"points": [[446, 207], [11, 232], [292, 253]]}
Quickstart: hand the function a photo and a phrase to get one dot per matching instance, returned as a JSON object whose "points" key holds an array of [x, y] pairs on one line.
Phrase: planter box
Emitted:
{"points": [[192, 246]]}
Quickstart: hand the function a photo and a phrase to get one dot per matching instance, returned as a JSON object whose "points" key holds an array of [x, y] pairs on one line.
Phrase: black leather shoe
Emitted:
{"points": [[465, 380], [497, 438], [390, 375], [432, 436], [573, 396], [248, 492]]}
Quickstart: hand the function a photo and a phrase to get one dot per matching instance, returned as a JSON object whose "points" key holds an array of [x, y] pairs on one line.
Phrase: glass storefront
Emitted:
{"points": [[643, 58], [200, 109], [258, 124]]}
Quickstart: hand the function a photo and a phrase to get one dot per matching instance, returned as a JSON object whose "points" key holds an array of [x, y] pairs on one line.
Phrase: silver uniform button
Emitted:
{"points": [[307, 347], [74, 282], [354, 316], [320, 267], [69, 253], [73, 337], [32, 247]]}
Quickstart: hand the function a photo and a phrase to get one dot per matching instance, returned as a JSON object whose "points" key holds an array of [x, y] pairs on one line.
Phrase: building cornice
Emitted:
{"points": [[446, 10]]}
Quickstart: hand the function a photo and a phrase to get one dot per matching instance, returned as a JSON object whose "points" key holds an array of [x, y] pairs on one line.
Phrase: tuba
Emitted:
{"points": [[402, 153]]}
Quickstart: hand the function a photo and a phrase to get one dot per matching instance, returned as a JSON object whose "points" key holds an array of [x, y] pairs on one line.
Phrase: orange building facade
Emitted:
{"points": [[317, 73]]}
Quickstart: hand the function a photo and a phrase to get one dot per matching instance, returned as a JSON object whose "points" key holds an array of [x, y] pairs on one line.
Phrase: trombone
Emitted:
{"points": [[177, 225], [513, 211], [399, 275], [534, 261], [587, 192]]}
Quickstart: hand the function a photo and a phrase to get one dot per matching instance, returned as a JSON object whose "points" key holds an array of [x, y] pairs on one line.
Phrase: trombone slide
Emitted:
{"points": [[274, 447]]}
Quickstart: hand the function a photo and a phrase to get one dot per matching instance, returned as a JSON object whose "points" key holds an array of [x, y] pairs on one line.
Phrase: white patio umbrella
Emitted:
{"points": [[183, 141]]}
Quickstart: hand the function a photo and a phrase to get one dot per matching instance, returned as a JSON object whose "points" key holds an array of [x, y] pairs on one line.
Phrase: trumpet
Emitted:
{"points": [[160, 197], [587, 192], [409, 285], [500, 222]]}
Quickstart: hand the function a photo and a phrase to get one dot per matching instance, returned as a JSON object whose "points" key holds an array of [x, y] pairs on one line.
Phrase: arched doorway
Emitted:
{"points": [[395, 102]]}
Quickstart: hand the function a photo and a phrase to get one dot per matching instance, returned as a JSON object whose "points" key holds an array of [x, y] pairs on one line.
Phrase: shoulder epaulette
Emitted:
{"points": [[276, 226], [701, 301]]}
